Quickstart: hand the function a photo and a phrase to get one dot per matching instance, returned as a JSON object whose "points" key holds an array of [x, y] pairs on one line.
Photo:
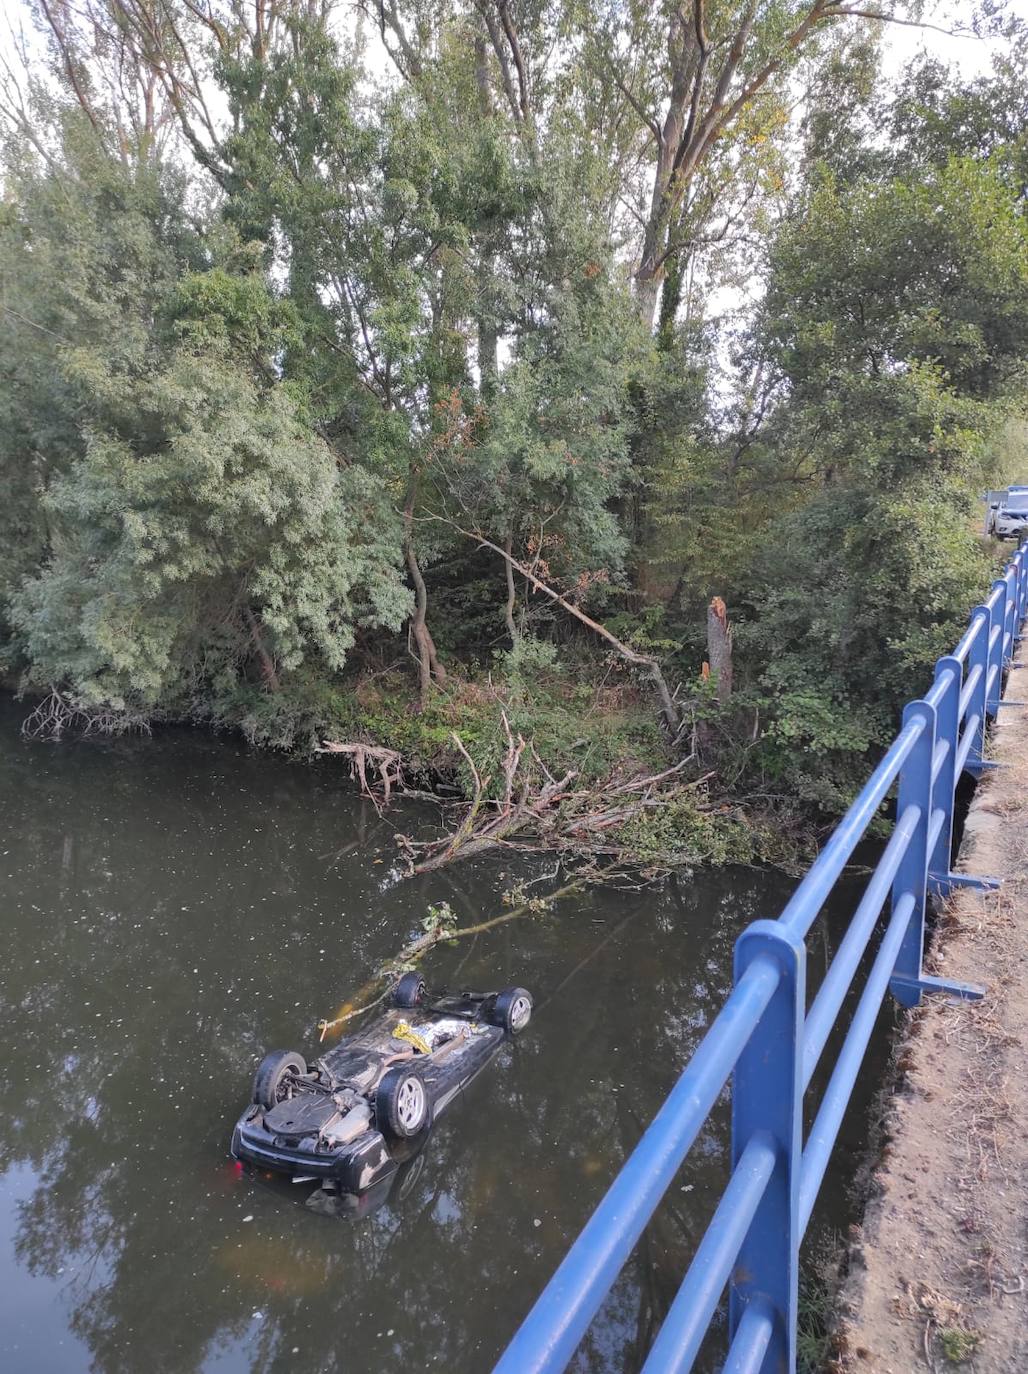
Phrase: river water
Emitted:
{"points": [[175, 906]]}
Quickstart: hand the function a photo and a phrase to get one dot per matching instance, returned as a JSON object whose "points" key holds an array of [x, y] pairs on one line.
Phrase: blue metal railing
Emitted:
{"points": [[766, 1041]]}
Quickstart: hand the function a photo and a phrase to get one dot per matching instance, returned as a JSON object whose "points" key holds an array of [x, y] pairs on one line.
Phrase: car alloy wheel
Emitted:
{"points": [[520, 1013], [512, 1010], [410, 1104]]}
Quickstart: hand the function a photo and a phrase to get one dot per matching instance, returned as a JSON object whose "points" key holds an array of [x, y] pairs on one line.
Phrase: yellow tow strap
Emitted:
{"points": [[405, 1032]]}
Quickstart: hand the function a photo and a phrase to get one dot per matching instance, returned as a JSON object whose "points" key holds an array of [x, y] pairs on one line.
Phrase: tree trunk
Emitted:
{"points": [[488, 335], [719, 649], [508, 610], [268, 670], [670, 300], [424, 645], [647, 293]]}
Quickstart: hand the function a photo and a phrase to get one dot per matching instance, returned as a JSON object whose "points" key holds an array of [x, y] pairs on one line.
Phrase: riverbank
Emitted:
{"points": [[570, 761], [938, 1276], [556, 762]]}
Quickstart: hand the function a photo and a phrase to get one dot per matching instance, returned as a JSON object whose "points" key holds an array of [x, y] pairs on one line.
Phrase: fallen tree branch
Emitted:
{"points": [[467, 825], [538, 811], [388, 764], [669, 711]]}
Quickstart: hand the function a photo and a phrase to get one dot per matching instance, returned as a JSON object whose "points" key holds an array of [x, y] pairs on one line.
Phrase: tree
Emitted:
{"points": [[931, 270], [204, 528], [895, 324], [935, 115], [690, 74], [89, 246]]}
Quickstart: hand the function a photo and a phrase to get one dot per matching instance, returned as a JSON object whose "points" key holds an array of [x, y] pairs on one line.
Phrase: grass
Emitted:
{"points": [[573, 722], [957, 1344], [819, 1289]]}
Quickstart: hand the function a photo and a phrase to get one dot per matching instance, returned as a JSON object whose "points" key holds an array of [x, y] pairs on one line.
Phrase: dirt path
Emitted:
{"points": [[940, 1280]]}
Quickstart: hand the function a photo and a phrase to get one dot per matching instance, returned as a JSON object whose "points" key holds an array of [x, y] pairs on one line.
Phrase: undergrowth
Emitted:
{"points": [[604, 732], [818, 1302], [571, 723]]}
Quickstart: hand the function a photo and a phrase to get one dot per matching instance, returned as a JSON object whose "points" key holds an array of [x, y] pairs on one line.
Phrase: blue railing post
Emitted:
{"points": [[1010, 580], [947, 728], [767, 1095], [997, 658], [1019, 568], [915, 789], [978, 657]]}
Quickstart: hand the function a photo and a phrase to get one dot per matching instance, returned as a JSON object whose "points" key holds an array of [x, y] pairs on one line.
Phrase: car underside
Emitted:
{"points": [[343, 1115]]}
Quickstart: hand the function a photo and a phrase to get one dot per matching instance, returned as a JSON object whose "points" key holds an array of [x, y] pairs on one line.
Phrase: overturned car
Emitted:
{"points": [[341, 1116]]}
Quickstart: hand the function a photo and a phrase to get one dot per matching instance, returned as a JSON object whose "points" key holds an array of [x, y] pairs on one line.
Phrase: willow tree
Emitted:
{"points": [[89, 247], [205, 535]]}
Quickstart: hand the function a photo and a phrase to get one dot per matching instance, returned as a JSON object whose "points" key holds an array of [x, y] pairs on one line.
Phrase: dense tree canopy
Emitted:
{"points": [[331, 337]]}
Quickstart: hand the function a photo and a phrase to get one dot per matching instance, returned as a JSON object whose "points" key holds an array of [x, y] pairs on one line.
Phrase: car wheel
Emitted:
{"points": [[271, 1082], [409, 991], [512, 1010], [401, 1104]]}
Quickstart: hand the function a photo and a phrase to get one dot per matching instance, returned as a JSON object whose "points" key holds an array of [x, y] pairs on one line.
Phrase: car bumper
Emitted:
{"points": [[355, 1167]]}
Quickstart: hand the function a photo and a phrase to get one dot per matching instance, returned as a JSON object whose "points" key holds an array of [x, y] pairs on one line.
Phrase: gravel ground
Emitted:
{"points": [[939, 1273]]}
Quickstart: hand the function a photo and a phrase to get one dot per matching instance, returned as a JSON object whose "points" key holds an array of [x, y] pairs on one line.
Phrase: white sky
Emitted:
{"points": [[972, 56], [901, 45]]}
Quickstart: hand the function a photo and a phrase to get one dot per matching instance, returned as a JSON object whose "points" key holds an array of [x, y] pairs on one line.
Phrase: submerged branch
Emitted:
{"points": [[416, 949], [387, 763], [58, 712]]}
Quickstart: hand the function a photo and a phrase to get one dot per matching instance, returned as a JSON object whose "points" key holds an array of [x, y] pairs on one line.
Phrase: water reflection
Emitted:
{"points": [[174, 908]]}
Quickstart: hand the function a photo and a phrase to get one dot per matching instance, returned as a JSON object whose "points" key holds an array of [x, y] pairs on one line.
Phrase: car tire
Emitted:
{"points": [[512, 1010], [272, 1072], [409, 991], [401, 1104]]}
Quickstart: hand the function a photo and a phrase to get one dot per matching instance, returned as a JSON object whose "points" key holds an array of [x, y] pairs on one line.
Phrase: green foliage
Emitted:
{"points": [[571, 724], [958, 1344], [879, 584], [554, 455], [528, 658], [851, 294], [896, 371], [201, 523], [231, 312], [440, 919], [88, 249], [685, 831], [820, 1280], [935, 116], [253, 407]]}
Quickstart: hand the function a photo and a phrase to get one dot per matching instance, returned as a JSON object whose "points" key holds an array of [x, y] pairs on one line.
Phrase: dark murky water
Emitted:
{"points": [[172, 908]]}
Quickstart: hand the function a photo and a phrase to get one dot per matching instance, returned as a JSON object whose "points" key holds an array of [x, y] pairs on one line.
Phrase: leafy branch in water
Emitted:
{"points": [[439, 926], [440, 922]]}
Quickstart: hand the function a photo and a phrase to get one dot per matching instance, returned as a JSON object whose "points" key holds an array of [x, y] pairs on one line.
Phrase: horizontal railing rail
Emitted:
{"points": [[769, 1044]]}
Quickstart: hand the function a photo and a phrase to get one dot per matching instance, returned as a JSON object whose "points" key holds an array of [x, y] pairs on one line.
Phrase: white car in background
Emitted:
{"points": [[1011, 518]]}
